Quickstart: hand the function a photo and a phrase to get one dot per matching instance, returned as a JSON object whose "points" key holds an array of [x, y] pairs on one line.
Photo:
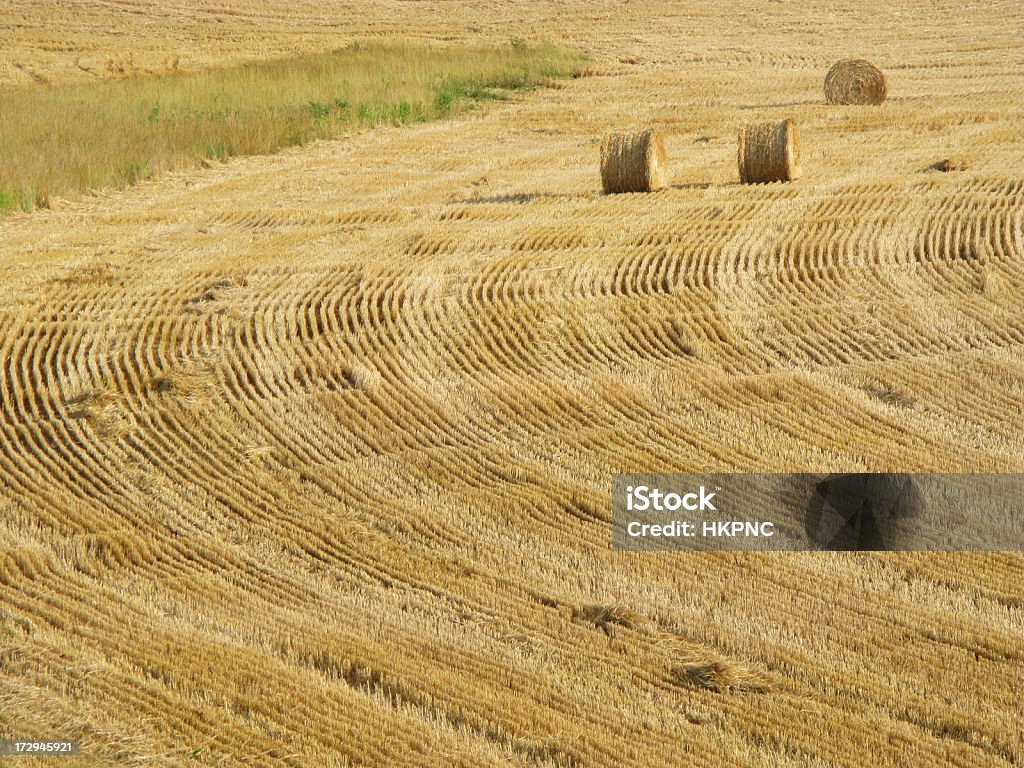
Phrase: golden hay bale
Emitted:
{"points": [[769, 152], [633, 162], [855, 81]]}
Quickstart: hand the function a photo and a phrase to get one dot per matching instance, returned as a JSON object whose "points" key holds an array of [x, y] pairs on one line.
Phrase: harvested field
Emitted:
{"points": [[305, 459]]}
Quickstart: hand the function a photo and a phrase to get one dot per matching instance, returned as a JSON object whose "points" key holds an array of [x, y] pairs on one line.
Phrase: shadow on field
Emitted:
{"points": [[801, 103], [692, 185], [519, 197]]}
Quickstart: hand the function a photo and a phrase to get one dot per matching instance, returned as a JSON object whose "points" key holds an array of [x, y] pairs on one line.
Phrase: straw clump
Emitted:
{"points": [[607, 617], [769, 152], [949, 164], [721, 676], [633, 162], [855, 81]]}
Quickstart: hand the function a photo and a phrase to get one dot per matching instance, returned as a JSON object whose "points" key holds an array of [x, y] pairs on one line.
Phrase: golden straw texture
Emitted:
{"points": [[633, 162], [769, 152], [855, 81]]}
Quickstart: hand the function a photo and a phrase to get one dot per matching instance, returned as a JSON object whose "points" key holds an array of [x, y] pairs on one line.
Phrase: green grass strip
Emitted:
{"points": [[61, 141]]}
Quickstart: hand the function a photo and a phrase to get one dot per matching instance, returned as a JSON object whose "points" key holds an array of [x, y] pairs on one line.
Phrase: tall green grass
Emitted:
{"points": [[65, 140]]}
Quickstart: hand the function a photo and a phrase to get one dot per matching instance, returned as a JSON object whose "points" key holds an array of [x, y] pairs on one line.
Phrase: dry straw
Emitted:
{"points": [[769, 152], [855, 81], [722, 676], [949, 164], [633, 162]]}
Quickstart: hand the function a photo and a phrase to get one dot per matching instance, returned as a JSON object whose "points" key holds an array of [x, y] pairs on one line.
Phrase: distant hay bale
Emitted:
{"points": [[855, 81], [769, 152], [633, 162]]}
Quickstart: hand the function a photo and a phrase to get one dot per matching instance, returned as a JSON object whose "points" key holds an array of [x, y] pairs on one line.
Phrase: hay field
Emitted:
{"points": [[306, 458]]}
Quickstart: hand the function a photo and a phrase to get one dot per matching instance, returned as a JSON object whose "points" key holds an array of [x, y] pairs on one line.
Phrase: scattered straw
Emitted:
{"points": [[607, 617], [721, 676], [949, 164]]}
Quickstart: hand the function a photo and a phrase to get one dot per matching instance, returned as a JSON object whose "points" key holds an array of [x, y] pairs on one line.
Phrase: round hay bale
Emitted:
{"points": [[769, 152], [855, 81], [633, 162]]}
